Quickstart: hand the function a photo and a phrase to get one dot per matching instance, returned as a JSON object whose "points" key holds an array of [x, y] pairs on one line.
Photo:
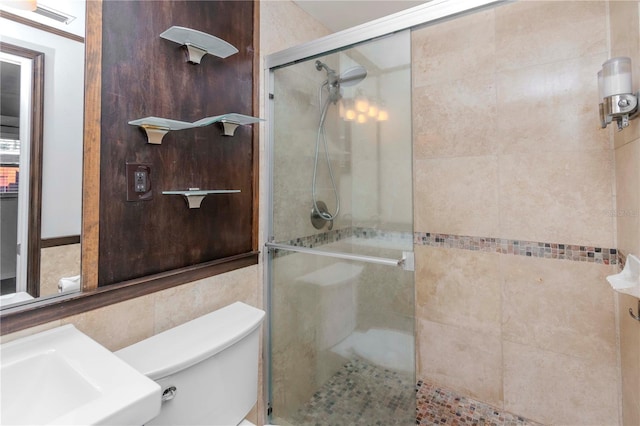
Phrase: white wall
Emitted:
{"points": [[63, 125]]}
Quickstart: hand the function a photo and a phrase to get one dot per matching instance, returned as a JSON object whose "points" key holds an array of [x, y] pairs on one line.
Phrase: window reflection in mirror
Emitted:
{"points": [[51, 264]]}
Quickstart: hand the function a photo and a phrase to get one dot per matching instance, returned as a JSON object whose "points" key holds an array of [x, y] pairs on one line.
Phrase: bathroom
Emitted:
{"points": [[540, 336]]}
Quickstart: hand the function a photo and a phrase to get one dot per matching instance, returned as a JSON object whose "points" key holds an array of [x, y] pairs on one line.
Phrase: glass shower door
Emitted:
{"points": [[341, 285]]}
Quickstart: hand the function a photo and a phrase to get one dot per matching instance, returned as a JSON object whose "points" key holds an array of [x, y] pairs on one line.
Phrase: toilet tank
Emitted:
{"points": [[211, 361]]}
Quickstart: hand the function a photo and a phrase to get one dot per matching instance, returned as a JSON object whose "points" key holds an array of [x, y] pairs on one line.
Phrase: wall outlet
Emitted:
{"points": [[139, 182]]}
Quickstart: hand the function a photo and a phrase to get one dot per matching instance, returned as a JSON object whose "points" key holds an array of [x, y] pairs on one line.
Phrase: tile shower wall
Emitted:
{"points": [[282, 24], [297, 112], [369, 160], [625, 22], [507, 145]]}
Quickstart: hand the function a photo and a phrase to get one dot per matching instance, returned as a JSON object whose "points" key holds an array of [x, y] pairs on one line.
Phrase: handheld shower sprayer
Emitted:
{"points": [[320, 213], [331, 82]]}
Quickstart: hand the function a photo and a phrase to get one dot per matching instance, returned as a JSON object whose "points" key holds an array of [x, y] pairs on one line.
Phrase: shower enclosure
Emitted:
{"points": [[340, 282]]}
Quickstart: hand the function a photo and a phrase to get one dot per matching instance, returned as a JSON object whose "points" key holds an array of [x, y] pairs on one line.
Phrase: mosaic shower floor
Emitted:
{"points": [[364, 394], [439, 406], [361, 394]]}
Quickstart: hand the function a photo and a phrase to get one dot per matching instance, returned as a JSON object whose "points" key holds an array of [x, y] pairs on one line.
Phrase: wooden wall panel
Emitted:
{"points": [[144, 75], [91, 154]]}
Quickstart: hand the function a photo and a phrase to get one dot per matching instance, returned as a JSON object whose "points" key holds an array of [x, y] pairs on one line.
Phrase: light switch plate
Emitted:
{"points": [[139, 186]]}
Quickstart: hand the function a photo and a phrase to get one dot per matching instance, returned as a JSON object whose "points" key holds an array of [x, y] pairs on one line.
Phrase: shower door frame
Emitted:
{"points": [[428, 13]]}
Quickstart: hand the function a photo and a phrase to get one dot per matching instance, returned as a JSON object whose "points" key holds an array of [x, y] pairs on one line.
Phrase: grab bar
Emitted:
{"points": [[406, 262]]}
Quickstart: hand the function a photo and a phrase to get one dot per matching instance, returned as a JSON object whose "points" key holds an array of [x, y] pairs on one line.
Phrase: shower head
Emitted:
{"points": [[352, 76], [349, 77]]}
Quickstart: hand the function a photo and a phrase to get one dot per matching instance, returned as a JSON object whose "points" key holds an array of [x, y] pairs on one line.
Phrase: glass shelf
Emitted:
{"points": [[198, 43], [194, 196], [157, 127], [229, 122]]}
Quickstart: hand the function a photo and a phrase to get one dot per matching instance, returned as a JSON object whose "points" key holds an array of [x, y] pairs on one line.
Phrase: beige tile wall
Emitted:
{"points": [[625, 22], [507, 144], [296, 113], [458, 303], [624, 42], [122, 324], [283, 24], [496, 145], [55, 263]]}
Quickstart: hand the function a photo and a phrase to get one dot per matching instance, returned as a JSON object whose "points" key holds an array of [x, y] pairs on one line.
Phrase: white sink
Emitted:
{"points": [[63, 377]]}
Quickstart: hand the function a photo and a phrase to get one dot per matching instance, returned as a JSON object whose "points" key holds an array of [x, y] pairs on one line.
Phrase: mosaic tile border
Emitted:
{"points": [[578, 253], [336, 235], [573, 252], [323, 238]]}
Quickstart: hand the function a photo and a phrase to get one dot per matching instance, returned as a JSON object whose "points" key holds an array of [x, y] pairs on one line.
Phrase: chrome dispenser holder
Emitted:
{"points": [[621, 108], [618, 101]]}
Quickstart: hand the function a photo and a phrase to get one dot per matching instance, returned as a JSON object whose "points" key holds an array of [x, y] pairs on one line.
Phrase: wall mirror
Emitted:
{"points": [[42, 92]]}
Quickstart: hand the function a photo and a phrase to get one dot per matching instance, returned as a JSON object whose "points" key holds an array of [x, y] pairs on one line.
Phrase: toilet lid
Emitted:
{"points": [[190, 343]]}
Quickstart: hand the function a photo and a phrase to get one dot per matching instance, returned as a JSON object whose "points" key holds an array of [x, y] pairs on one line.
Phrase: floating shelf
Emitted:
{"points": [[156, 127], [229, 122], [198, 43], [194, 196]]}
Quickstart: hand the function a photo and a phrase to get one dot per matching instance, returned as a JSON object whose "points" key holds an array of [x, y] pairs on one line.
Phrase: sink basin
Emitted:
{"points": [[63, 377]]}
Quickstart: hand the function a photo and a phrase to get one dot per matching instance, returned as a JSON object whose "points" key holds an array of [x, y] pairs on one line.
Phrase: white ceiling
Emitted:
{"points": [[338, 15]]}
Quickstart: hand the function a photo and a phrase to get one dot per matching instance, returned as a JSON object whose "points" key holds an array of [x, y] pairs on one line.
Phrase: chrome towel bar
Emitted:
{"points": [[406, 262]]}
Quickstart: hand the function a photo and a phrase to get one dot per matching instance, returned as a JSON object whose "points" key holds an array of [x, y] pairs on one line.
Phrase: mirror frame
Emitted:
{"points": [[52, 308], [35, 163]]}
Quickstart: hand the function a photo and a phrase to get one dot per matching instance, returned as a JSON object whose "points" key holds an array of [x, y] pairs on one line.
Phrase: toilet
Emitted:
{"points": [[207, 368]]}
